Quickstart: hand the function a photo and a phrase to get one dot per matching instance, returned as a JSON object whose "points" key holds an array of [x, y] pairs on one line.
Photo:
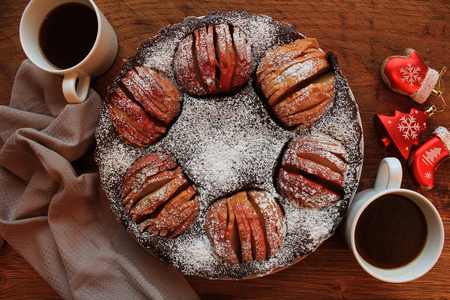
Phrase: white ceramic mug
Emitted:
{"points": [[388, 181], [76, 78]]}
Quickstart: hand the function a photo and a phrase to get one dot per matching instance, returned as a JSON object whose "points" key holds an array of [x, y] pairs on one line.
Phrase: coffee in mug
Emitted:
{"points": [[70, 38], [391, 232], [395, 234], [67, 34]]}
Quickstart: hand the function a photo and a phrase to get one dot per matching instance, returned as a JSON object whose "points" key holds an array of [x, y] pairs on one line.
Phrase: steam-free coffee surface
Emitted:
{"points": [[391, 232], [67, 34]]}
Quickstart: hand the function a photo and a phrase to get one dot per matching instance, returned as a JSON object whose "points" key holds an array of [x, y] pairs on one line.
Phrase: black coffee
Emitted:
{"points": [[67, 34], [391, 232]]}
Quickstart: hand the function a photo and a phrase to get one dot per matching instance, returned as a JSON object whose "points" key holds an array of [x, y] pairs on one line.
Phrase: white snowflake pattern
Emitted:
{"points": [[409, 127], [428, 175], [410, 74]]}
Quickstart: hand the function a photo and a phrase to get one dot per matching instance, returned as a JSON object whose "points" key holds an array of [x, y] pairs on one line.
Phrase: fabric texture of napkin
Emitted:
{"points": [[53, 211]]}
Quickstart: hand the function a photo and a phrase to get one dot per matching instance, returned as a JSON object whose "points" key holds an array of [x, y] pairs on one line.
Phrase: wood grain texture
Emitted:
{"points": [[362, 33]]}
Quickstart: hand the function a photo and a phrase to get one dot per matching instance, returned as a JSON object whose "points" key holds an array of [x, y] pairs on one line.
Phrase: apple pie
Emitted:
{"points": [[229, 145]]}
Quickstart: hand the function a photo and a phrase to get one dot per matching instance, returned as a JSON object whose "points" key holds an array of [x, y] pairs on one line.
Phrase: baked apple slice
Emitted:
{"points": [[313, 171], [243, 58], [147, 204], [305, 192], [313, 168], [131, 121], [296, 71], [244, 230], [212, 60], [313, 94], [307, 117], [256, 228], [246, 226], [220, 231], [324, 142], [225, 57], [175, 216], [143, 105], [295, 81], [271, 216], [322, 149], [206, 58], [309, 103], [232, 232], [278, 57], [296, 75], [155, 92], [158, 196], [185, 68], [149, 186], [144, 168]]}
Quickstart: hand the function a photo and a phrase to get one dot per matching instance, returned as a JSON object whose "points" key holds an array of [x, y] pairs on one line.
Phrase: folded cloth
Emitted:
{"points": [[55, 214]]}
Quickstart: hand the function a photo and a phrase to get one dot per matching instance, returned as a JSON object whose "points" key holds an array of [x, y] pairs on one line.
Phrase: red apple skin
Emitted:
{"points": [[213, 60], [185, 69], [132, 122], [244, 60], [226, 56]]}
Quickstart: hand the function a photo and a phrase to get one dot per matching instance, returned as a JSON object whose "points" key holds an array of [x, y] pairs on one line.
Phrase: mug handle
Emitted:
{"points": [[389, 174], [76, 87]]}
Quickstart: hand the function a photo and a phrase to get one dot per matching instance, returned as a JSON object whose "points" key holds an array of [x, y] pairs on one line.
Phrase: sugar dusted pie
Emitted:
{"points": [[230, 145]]}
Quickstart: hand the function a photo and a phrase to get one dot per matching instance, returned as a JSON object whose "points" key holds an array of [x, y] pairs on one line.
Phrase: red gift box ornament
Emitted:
{"points": [[401, 131], [409, 75]]}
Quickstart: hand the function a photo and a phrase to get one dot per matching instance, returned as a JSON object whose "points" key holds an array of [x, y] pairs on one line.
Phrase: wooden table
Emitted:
{"points": [[362, 33]]}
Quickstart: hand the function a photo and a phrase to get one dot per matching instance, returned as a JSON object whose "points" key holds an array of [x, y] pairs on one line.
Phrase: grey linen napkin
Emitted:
{"points": [[55, 214]]}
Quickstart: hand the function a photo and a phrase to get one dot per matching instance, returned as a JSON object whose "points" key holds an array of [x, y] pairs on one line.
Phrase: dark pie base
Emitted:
{"points": [[240, 129]]}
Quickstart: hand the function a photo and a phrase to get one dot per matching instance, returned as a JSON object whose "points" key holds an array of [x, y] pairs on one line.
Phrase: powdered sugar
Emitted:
{"points": [[226, 144], [231, 145]]}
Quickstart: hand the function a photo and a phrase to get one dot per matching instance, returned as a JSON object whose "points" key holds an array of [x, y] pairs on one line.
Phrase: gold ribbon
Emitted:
{"points": [[438, 92]]}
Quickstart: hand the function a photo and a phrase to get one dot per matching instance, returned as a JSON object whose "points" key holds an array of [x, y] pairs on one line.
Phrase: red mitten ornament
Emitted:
{"points": [[428, 156], [409, 75], [401, 131]]}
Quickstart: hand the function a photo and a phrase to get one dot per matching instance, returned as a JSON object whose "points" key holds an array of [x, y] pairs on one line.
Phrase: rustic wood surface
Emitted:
{"points": [[362, 33]]}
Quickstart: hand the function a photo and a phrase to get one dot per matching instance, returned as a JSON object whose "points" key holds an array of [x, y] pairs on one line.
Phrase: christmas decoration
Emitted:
{"points": [[401, 131], [428, 156], [409, 75]]}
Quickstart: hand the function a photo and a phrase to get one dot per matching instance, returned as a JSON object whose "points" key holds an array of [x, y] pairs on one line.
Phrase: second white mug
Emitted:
{"points": [[388, 182]]}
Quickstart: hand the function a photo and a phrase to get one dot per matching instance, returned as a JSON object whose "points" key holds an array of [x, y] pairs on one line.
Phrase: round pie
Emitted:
{"points": [[230, 145]]}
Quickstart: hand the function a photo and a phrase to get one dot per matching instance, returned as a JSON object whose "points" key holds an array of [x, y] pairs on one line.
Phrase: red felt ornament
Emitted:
{"points": [[409, 75], [401, 131], [428, 156]]}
